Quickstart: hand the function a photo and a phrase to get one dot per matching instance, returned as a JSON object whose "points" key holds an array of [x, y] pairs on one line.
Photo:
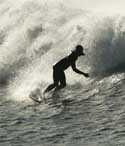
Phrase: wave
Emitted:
{"points": [[106, 42], [34, 35]]}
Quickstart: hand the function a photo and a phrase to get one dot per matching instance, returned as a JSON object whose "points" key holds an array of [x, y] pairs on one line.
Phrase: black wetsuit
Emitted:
{"points": [[59, 79], [61, 66]]}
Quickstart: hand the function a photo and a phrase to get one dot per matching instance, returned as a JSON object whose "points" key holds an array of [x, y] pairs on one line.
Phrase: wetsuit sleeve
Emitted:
{"points": [[73, 65]]}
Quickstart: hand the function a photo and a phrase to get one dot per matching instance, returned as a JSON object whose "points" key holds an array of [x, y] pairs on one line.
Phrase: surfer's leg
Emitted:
{"points": [[55, 82], [50, 87], [62, 81]]}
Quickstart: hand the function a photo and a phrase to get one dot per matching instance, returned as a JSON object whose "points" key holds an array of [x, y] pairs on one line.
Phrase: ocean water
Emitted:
{"points": [[88, 111]]}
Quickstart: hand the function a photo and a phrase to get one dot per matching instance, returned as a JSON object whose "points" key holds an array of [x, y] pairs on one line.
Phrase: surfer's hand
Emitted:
{"points": [[86, 75]]}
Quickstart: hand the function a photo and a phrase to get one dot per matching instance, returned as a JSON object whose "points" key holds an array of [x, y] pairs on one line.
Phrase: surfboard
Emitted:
{"points": [[36, 96], [35, 99]]}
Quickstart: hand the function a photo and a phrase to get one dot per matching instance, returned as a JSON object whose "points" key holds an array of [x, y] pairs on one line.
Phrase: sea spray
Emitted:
{"points": [[40, 36], [105, 43]]}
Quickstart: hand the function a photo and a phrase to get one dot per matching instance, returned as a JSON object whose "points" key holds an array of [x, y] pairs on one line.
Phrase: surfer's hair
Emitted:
{"points": [[78, 48]]}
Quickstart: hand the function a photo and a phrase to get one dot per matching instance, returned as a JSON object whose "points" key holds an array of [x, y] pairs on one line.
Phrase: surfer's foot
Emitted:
{"points": [[59, 88]]}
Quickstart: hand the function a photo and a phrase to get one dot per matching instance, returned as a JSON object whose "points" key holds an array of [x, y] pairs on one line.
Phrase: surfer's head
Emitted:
{"points": [[79, 50]]}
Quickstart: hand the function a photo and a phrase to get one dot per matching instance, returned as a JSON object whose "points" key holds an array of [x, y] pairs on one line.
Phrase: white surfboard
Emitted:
{"points": [[36, 95]]}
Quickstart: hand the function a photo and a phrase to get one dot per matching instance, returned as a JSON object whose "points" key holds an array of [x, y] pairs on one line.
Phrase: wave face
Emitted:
{"points": [[34, 35]]}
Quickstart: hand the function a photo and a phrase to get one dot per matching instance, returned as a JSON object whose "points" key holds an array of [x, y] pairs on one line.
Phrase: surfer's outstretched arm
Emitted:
{"points": [[78, 71]]}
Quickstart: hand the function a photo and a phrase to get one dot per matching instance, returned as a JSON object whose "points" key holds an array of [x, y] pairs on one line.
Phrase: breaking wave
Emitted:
{"points": [[33, 35]]}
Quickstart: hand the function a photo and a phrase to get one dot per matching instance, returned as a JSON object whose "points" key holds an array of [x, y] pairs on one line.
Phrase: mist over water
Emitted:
{"points": [[33, 36]]}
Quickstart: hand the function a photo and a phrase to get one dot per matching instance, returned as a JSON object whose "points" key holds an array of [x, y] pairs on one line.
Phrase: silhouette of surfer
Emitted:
{"points": [[59, 79]]}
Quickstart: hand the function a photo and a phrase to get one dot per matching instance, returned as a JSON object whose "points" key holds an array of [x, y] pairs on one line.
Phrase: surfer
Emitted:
{"points": [[59, 79]]}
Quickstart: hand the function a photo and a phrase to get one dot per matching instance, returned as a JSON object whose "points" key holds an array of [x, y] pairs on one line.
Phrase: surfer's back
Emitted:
{"points": [[64, 63]]}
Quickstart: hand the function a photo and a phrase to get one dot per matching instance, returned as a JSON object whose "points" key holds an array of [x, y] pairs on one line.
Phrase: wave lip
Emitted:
{"points": [[106, 42]]}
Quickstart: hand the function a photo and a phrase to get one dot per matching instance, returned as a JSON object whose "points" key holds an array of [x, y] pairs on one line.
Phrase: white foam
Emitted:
{"points": [[35, 36]]}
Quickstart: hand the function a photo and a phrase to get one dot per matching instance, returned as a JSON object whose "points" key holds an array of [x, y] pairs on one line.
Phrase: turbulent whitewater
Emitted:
{"points": [[88, 112]]}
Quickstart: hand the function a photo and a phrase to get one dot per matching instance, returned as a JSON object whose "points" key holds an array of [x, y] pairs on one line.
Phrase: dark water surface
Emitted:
{"points": [[85, 118]]}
